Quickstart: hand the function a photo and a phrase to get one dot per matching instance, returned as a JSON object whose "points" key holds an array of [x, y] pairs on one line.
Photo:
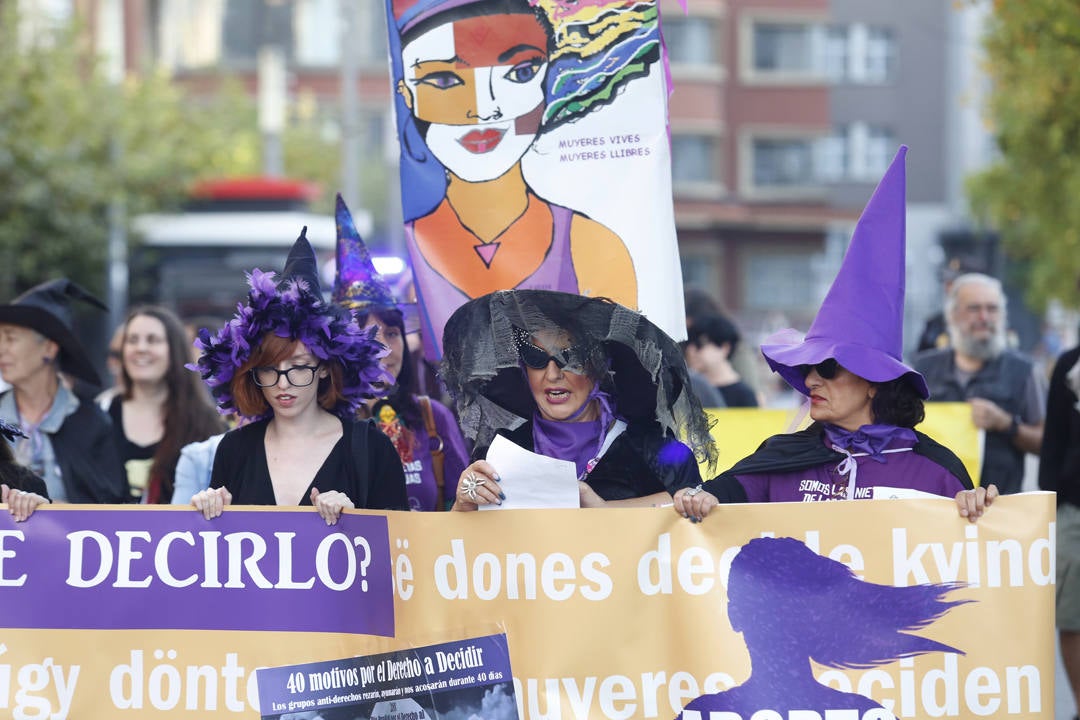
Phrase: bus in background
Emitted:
{"points": [[194, 261]]}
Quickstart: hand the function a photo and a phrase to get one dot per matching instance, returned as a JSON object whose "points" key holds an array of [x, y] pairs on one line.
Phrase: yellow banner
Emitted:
{"points": [[615, 614], [739, 431]]}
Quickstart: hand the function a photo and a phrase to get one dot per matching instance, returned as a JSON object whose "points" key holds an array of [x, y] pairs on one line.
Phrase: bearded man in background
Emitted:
{"points": [[1007, 398]]}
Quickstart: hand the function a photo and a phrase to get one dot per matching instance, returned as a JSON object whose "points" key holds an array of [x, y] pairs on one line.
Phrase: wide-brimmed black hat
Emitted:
{"points": [[634, 360], [46, 308]]}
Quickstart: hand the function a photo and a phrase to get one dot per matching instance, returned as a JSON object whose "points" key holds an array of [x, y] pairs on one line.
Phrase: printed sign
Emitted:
{"points": [[466, 678]]}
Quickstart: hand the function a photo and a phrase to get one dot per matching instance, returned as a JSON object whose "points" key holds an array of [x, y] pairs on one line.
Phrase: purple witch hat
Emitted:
{"points": [[293, 308], [861, 322], [357, 284]]}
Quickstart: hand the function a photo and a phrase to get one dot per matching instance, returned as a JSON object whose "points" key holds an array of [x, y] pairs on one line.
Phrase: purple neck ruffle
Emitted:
{"points": [[870, 439]]}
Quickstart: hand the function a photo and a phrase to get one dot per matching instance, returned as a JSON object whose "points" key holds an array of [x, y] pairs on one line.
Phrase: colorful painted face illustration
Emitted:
{"points": [[479, 84]]}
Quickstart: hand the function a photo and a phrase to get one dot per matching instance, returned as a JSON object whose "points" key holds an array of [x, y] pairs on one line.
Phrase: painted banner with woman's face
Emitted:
{"points": [[534, 153]]}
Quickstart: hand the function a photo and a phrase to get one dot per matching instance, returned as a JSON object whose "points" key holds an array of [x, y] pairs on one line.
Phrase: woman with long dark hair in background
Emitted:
{"points": [[163, 406]]}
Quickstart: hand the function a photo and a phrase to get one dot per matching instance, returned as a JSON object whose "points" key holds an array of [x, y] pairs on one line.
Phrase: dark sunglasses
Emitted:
{"points": [[571, 359], [827, 369]]}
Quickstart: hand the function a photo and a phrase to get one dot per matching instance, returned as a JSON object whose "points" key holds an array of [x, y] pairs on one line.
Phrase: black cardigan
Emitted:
{"points": [[86, 454], [372, 478]]}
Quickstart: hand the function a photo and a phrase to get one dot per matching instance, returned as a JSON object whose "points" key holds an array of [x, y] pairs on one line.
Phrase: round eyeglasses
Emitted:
{"points": [[297, 375]]}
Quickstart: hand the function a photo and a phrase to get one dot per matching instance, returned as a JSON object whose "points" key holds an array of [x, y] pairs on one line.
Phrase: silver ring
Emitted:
{"points": [[691, 492], [469, 483]]}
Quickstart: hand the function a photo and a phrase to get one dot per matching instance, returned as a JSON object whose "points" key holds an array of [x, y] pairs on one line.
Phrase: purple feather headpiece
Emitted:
{"points": [[292, 309]]}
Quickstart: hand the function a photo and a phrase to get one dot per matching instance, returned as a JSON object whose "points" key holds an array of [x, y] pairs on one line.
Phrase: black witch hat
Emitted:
{"points": [[46, 308], [633, 359]]}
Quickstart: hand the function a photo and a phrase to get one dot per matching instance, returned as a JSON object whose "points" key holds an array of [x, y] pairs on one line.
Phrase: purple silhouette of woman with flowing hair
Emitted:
{"points": [[793, 606]]}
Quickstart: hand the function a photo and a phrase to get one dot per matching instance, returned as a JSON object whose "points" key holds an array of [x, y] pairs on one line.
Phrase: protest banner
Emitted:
{"points": [[607, 613], [534, 153]]}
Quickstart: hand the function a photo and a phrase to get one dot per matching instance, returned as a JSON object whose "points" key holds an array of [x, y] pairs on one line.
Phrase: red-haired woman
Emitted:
{"points": [[300, 366]]}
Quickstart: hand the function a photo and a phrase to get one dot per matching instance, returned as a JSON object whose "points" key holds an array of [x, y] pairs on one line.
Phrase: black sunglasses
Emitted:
{"points": [[827, 369], [571, 359]]}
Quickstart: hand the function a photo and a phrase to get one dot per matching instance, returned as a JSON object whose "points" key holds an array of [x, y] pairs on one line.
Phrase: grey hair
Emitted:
{"points": [[974, 279]]}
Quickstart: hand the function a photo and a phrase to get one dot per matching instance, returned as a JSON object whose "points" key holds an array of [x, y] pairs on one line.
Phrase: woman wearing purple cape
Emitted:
{"points": [[865, 402]]}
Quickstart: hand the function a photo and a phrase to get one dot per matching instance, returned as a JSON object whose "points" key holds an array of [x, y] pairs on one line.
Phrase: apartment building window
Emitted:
{"points": [[856, 152], [787, 48], [778, 281], [690, 40], [836, 52], [188, 33], [833, 154], [880, 58], [249, 24], [697, 270], [860, 54], [814, 50], [783, 162], [318, 36], [881, 146], [693, 159]]}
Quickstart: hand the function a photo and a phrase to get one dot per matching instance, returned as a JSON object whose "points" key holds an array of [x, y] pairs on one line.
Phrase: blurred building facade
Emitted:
{"points": [[784, 114]]}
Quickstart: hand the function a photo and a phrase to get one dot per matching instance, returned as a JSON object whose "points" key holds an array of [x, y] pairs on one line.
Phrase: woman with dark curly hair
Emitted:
{"points": [[865, 402]]}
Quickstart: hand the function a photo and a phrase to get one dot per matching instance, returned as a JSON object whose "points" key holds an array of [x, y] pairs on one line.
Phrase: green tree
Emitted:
{"points": [[1031, 194], [70, 143]]}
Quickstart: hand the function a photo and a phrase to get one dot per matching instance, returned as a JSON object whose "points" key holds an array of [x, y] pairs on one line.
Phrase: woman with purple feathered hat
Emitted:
{"points": [[865, 402], [299, 367]]}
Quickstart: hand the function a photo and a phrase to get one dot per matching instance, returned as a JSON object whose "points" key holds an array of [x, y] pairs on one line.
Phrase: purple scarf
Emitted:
{"points": [[579, 442], [870, 439]]}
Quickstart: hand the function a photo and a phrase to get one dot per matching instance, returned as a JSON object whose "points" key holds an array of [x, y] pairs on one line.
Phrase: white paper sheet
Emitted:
{"points": [[530, 480], [895, 493]]}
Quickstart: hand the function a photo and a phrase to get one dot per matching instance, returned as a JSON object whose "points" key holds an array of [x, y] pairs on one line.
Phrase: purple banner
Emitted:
{"points": [[465, 678], [139, 568]]}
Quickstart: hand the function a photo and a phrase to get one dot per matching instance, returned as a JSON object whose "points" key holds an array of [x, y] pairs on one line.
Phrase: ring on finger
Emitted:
{"points": [[471, 494], [691, 492], [470, 482]]}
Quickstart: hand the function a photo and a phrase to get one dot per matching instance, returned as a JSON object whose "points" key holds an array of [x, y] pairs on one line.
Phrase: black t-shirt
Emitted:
{"points": [[738, 394], [136, 459]]}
